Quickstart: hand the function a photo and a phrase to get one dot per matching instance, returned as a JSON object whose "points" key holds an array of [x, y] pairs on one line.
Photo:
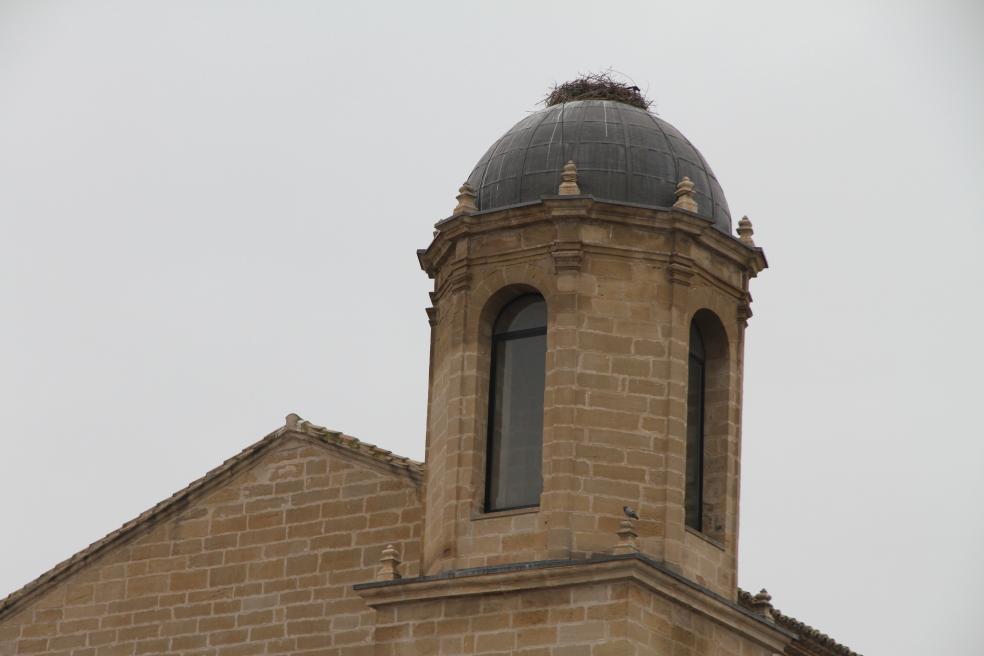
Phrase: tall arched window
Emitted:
{"points": [[696, 382], [515, 436]]}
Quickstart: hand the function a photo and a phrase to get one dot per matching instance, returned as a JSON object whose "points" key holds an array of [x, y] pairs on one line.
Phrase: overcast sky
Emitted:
{"points": [[209, 213]]}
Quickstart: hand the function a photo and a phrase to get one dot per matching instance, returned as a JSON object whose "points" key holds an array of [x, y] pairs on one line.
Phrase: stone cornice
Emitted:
{"points": [[585, 208], [538, 575]]}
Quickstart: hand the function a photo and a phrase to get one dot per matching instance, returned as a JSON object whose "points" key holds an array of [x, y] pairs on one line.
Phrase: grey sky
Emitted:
{"points": [[209, 213]]}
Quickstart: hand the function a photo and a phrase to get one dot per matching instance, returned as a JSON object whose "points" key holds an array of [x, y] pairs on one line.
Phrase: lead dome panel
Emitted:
{"points": [[623, 154]]}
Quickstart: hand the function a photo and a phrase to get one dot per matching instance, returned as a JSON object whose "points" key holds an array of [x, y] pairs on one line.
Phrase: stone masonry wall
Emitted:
{"points": [[263, 565], [614, 617], [621, 290], [657, 625], [568, 621]]}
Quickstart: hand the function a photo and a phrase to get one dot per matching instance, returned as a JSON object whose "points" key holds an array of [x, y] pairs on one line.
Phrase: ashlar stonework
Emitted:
{"points": [[258, 557], [312, 542]]}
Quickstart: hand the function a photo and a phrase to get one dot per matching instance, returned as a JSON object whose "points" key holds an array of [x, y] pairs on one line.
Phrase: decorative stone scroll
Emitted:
{"points": [[744, 311], [567, 256], [680, 271]]}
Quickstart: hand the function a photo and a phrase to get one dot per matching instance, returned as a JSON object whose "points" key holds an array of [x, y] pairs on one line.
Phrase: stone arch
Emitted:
{"points": [[504, 283], [490, 302], [717, 402]]}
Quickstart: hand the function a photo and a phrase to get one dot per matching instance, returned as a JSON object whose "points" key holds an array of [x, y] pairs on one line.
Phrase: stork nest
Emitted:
{"points": [[597, 86]]}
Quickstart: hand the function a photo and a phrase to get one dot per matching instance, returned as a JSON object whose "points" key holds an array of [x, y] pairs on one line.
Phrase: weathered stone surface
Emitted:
{"points": [[619, 314], [313, 542], [263, 564]]}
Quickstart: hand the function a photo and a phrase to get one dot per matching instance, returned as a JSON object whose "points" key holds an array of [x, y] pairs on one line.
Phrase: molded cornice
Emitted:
{"points": [[538, 575], [584, 209]]}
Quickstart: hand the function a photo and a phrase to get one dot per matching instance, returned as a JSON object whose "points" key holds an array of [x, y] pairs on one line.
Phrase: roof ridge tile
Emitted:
{"points": [[805, 632]]}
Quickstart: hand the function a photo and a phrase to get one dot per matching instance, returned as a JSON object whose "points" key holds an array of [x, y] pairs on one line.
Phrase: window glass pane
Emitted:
{"points": [[516, 430], [695, 443], [524, 313], [696, 343]]}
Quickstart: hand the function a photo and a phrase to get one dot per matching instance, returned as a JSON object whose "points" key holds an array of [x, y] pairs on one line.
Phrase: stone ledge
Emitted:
{"points": [[512, 512], [537, 575], [551, 209], [705, 537]]}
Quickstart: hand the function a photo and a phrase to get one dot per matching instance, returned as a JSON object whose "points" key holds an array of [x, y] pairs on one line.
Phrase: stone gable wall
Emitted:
{"points": [[262, 565]]}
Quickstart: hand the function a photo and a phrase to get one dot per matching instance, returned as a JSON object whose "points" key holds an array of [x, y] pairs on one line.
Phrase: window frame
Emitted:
{"points": [[698, 362], [494, 343]]}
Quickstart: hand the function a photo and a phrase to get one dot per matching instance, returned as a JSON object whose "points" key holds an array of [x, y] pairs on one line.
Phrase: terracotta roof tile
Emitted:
{"points": [[807, 634]]}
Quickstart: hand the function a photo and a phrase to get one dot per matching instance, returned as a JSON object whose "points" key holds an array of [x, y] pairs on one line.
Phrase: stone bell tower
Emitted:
{"points": [[580, 494], [615, 219]]}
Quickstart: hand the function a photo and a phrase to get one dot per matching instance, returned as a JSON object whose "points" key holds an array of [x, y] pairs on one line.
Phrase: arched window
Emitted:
{"points": [[515, 435], [696, 382]]}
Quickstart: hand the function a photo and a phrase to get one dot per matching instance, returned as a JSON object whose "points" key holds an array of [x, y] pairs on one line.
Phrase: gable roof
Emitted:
{"points": [[294, 427]]}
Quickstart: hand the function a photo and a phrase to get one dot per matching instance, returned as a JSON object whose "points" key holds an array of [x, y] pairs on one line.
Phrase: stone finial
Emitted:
{"points": [[293, 419], [685, 195], [466, 200], [628, 539], [389, 567], [745, 231], [568, 181], [762, 605]]}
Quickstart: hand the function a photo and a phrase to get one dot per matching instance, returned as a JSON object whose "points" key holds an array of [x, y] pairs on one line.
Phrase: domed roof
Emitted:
{"points": [[623, 154]]}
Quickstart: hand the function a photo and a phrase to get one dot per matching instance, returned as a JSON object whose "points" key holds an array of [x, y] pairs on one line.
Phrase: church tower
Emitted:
{"points": [[589, 308], [580, 493]]}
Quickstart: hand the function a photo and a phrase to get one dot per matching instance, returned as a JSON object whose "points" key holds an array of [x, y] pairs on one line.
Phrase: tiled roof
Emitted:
{"points": [[813, 638], [412, 467], [177, 501]]}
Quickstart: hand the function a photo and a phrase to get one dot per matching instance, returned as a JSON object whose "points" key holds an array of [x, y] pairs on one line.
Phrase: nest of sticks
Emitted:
{"points": [[597, 86]]}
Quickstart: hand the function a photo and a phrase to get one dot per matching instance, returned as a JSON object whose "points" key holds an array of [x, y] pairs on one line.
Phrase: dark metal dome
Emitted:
{"points": [[623, 154]]}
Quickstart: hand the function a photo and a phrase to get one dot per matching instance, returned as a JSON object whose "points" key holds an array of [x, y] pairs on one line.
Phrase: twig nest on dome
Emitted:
{"points": [[597, 86]]}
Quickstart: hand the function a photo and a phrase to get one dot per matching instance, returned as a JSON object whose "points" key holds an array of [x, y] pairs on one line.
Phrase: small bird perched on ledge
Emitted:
{"points": [[631, 514]]}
